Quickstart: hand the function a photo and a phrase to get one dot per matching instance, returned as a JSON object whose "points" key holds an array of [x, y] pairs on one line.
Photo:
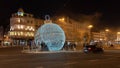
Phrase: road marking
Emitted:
{"points": [[40, 67], [94, 60], [69, 63]]}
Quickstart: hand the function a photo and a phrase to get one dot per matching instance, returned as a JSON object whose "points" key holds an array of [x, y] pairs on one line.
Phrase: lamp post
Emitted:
{"points": [[90, 32], [106, 34]]}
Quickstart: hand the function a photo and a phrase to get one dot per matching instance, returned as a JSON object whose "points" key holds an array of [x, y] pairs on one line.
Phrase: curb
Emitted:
{"points": [[27, 51], [80, 51]]}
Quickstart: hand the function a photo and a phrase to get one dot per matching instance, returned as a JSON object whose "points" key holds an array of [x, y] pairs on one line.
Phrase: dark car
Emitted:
{"points": [[92, 49]]}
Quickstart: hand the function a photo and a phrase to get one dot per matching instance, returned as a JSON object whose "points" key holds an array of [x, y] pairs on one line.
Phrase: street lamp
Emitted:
{"points": [[90, 26], [106, 34], [90, 33], [107, 30], [62, 19]]}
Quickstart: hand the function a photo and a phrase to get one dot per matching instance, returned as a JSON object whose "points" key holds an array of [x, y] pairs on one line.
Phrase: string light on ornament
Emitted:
{"points": [[51, 34]]}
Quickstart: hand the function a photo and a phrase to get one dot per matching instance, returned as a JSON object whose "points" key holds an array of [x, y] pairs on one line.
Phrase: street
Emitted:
{"points": [[13, 58]]}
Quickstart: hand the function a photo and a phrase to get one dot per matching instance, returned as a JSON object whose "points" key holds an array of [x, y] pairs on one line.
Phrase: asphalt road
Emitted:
{"points": [[13, 58]]}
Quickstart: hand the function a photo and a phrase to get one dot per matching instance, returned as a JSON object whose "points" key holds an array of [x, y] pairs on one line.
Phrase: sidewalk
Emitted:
{"points": [[78, 49], [62, 51], [69, 51], [112, 48]]}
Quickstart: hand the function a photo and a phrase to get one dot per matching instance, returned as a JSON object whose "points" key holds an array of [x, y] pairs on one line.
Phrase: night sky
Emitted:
{"points": [[109, 9]]}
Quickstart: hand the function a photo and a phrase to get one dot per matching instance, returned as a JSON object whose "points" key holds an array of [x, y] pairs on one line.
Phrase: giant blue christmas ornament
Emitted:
{"points": [[52, 35]]}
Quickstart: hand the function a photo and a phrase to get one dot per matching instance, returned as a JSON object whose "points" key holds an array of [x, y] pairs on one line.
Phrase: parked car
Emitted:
{"points": [[92, 49]]}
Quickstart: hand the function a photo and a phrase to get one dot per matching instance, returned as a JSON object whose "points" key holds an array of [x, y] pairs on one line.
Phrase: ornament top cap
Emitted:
{"points": [[47, 19]]}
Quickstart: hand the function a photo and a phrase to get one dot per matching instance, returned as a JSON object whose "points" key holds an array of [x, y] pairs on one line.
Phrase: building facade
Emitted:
{"points": [[22, 28], [98, 36]]}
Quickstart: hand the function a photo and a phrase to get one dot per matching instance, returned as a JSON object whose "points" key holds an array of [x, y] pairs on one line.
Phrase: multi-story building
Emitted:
{"points": [[22, 28], [98, 36]]}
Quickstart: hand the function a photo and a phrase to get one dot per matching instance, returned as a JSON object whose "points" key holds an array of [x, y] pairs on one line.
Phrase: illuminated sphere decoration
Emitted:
{"points": [[52, 35]]}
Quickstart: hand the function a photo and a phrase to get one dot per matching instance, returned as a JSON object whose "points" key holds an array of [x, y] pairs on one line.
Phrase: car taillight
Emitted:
{"points": [[89, 48]]}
